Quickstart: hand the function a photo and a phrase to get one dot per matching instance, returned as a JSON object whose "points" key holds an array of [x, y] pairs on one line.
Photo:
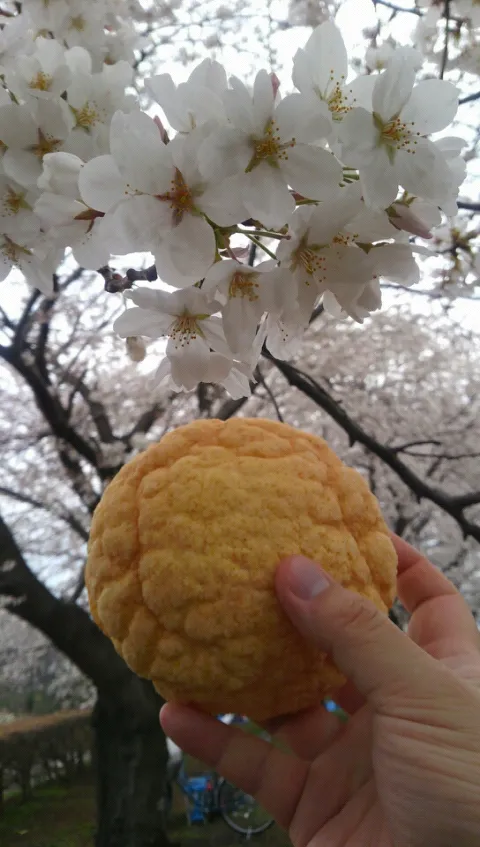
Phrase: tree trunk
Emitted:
{"points": [[131, 752], [130, 757]]}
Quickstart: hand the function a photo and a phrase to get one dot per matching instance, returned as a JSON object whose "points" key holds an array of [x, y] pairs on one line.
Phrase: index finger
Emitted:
{"points": [[276, 779], [441, 622]]}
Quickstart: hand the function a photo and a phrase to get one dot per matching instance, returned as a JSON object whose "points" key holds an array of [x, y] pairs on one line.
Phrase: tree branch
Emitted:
{"points": [[446, 15], [453, 506], [66, 517], [68, 626], [262, 380], [470, 207], [411, 11], [470, 98], [51, 408]]}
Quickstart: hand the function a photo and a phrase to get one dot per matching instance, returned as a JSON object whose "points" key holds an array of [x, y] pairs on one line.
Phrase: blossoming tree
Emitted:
{"points": [[268, 217]]}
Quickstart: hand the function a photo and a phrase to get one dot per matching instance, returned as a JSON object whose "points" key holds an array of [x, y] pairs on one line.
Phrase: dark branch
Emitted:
{"points": [[470, 207], [446, 14], [453, 506], [412, 10], [68, 626], [399, 448], [259, 375], [470, 98], [146, 421], [66, 517]]}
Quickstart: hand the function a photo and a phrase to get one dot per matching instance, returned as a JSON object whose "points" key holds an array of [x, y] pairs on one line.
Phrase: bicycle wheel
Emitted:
{"points": [[241, 811]]}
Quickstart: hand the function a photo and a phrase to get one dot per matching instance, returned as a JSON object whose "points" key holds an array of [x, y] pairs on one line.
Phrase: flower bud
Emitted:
{"points": [[136, 348], [402, 217]]}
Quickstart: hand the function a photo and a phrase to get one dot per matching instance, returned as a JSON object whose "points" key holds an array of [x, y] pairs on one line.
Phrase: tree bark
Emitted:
{"points": [[130, 750], [130, 758]]}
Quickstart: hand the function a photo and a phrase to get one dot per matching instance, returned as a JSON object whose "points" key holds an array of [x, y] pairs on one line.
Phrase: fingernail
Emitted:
{"points": [[307, 579]]}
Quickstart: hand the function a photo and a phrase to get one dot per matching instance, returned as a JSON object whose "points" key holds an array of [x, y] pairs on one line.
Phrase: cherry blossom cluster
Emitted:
{"points": [[329, 181], [65, 66]]}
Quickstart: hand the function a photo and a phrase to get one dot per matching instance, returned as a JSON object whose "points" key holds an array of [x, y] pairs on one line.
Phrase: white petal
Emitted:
{"points": [[396, 262], [22, 166], [210, 74], [379, 182], [360, 91], [327, 55], [92, 251], [432, 106], [370, 225], [359, 138], [189, 362], [224, 153], [185, 256], [54, 118], [139, 224], [394, 86], [100, 183], [313, 172], [426, 173], [301, 74], [163, 89], [60, 173], [451, 146], [267, 197], [55, 210], [17, 126], [139, 152], [300, 116], [222, 202], [240, 319], [212, 329], [262, 100], [330, 218], [137, 321], [239, 106]]}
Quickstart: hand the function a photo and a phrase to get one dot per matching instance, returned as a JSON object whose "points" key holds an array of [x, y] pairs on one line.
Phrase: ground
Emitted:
{"points": [[61, 816]]}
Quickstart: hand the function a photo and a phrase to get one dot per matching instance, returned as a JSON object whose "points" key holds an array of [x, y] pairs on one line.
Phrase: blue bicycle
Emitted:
{"points": [[208, 796]]}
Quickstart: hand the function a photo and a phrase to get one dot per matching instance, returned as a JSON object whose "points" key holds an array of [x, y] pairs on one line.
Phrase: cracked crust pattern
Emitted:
{"points": [[183, 550]]}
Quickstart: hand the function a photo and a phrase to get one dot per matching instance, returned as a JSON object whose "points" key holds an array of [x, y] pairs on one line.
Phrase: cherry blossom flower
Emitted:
{"points": [[158, 199], [389, 145], [69, 222], [37, 267], [93, 99], [414, 216], [43, 74], [16, 210], [245, 293], [368, 299], [188, 318], [194, 102], [320, 71], [323, 253], [30, 133], [272, 147]]}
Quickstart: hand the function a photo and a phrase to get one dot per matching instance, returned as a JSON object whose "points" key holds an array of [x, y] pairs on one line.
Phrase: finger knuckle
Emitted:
{"points": [[357, 613]]}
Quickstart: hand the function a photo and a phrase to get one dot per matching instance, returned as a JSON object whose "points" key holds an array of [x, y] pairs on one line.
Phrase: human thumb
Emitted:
{"points": [[380, 660]]}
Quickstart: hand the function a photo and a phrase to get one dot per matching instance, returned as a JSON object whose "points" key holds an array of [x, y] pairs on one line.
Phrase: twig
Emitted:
{"points": [[469, 98], [262, 380], [470, 207], [446, 15], [453, 506], [394, 8]]}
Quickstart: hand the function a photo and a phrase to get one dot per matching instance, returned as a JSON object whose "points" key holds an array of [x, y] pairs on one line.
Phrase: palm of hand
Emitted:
{"points": [[404, 771], [374, 781]]}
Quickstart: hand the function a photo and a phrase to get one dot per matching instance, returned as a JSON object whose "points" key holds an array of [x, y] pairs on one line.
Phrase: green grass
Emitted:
{"points": [[60, 816], [57, 816]]}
